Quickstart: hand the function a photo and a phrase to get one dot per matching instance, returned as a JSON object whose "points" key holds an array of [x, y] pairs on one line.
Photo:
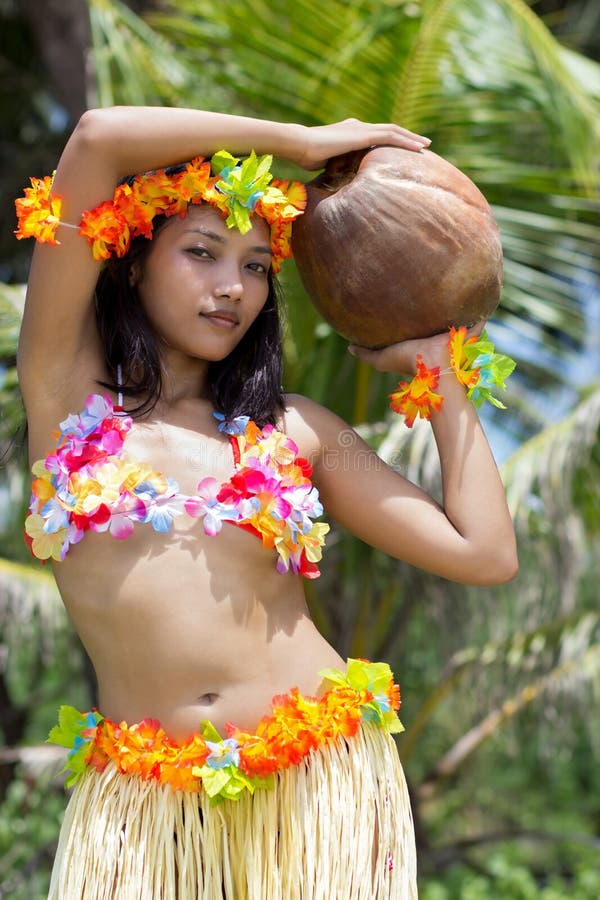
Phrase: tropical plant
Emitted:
{"points": [[516, 111]]}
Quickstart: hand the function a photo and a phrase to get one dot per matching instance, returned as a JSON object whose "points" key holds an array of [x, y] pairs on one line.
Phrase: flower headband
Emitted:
{"points": [[237, 190]]}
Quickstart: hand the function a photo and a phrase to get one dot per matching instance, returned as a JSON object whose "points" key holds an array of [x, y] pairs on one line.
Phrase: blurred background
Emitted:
{"points": [[500, 685]]}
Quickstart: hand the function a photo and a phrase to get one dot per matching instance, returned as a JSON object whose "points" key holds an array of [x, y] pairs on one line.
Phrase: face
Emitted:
{"points": [[203, 284]]}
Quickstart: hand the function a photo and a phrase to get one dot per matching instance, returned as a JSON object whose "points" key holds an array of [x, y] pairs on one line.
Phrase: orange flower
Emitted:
{"points": [[282, 200], [458, 359], [394, 695], [106, 231], [38, 213], [161, 191], [137, 214], [295, 193], [417, 398], [43, 489], [193, 181], [281, 242], [256, 759]]}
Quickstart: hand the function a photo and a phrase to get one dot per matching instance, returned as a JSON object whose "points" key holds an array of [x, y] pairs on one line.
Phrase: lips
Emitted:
{"points": [[223, 318]]}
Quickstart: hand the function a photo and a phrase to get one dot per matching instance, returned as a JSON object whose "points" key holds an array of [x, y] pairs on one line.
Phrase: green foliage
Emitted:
{"points": [[41, 656], [41, 663], [12, 298], [30, 817], [500, 878]]}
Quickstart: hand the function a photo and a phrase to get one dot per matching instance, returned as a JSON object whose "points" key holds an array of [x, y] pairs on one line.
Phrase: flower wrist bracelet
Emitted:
{"points": [[475, 365]]}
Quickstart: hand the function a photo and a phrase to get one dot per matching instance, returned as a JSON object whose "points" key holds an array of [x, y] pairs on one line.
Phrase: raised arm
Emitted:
{"points": [[470, 538], [59, 343]]}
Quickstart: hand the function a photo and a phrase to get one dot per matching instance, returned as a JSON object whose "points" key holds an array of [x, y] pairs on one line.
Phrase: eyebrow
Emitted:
{"points": [[198, 229]]}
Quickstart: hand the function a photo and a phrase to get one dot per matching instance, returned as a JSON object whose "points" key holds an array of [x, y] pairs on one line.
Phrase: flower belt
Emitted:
{"points": [[227, 767]]}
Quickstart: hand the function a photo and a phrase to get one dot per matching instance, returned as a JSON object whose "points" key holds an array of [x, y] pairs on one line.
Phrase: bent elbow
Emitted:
{"points": [[97, 127], [501, 568], [88, 126]]}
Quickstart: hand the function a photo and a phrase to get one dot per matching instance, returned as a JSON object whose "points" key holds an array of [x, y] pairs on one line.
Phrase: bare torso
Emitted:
{"points": [[183, 626]]}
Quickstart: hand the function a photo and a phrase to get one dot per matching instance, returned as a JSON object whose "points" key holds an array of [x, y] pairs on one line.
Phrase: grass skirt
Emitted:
{"points": [[337, 826]]}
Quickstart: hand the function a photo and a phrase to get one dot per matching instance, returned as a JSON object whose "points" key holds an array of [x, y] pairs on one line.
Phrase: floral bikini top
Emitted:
{"points": [[90, 483]]}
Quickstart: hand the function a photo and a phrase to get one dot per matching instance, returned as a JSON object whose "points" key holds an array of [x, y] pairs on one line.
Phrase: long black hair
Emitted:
{"points": [[247, 382]]}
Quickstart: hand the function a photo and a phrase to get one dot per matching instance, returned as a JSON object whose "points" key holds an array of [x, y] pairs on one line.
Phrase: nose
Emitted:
{"points": [[229, 287], [229, 292]]}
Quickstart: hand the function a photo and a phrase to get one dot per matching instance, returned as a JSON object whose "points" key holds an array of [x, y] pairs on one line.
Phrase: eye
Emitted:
{"points": [[259, 268], [202, 252]]}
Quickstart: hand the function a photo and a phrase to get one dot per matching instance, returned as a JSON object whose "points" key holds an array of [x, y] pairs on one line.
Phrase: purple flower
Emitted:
{"points": [[235, 426]]}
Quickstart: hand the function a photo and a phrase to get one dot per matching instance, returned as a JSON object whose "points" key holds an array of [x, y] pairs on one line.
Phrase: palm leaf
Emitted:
{"points": [[522, 652], [468, 49], [133, 64], [585, 665], [548, 468]]}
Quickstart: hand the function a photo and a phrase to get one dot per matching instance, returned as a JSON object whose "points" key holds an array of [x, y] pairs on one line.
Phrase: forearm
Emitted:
{"points": [[136, 139], [473, 495]]}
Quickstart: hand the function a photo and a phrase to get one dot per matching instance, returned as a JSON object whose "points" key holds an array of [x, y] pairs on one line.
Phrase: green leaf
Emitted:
{"points": [[222, 160], [70, 724], [209, 732], [213, 780]]}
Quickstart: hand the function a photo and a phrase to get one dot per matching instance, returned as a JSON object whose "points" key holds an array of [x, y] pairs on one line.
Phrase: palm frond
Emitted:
{"points": [[550, 646], [585, 665], [544, 472], [133, 64], [323, 61], [469, 51]]}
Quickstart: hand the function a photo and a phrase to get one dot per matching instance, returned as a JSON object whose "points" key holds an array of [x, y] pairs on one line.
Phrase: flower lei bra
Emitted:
{"points": [[243, 761], [237, 190], [90, 483]]}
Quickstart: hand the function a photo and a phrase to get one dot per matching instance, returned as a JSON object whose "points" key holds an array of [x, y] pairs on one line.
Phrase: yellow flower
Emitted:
{"points": [[459, 361], [44, 545]]}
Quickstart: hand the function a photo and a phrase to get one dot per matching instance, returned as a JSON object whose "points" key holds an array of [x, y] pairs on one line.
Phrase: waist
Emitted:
{"points": [[229, 683], [225, 766]]}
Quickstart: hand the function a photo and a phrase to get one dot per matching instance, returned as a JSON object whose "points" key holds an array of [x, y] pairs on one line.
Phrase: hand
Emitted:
{"points": [[401, 358], [325, 141]]}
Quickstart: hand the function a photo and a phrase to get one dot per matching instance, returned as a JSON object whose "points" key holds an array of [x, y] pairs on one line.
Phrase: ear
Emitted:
{"points": [[134, 274]]}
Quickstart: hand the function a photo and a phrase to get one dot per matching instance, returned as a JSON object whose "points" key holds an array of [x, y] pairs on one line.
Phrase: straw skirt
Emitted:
{"points": [[337, 826]]}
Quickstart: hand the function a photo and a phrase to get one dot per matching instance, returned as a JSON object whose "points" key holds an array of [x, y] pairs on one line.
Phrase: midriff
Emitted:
{"points": [[184, 627]]}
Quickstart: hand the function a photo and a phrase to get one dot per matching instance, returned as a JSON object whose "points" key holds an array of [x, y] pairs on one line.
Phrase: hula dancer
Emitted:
{"points": [[234, 754]]}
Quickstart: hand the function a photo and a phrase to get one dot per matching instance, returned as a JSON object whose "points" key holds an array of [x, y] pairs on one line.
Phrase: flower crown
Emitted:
{"points": [[237, 190]]}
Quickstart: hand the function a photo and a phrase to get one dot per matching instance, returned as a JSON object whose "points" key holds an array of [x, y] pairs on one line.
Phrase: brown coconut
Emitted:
{"points": [[396, 245]]}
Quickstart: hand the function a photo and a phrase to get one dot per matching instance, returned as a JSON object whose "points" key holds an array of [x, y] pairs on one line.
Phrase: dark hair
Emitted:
{"points": [[247, 382]]}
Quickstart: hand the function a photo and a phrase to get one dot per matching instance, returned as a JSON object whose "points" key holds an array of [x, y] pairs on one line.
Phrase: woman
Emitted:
{"points": [[188, 623]]}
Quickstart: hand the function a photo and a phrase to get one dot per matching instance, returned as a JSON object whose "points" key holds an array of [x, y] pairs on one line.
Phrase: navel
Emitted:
{"points": [[207, 699]]}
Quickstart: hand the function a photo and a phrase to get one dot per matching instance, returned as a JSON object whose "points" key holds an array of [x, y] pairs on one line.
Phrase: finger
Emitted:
{"points": [[390, 133], [387, 133], [379, 359], [476, 329]]}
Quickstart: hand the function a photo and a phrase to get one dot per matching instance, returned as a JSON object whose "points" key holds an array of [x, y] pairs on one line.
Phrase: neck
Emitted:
{"points": [[184, 378]]}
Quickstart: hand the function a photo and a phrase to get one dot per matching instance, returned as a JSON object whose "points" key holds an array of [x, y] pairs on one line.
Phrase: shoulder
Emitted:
{"points": [[315, 429]]}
